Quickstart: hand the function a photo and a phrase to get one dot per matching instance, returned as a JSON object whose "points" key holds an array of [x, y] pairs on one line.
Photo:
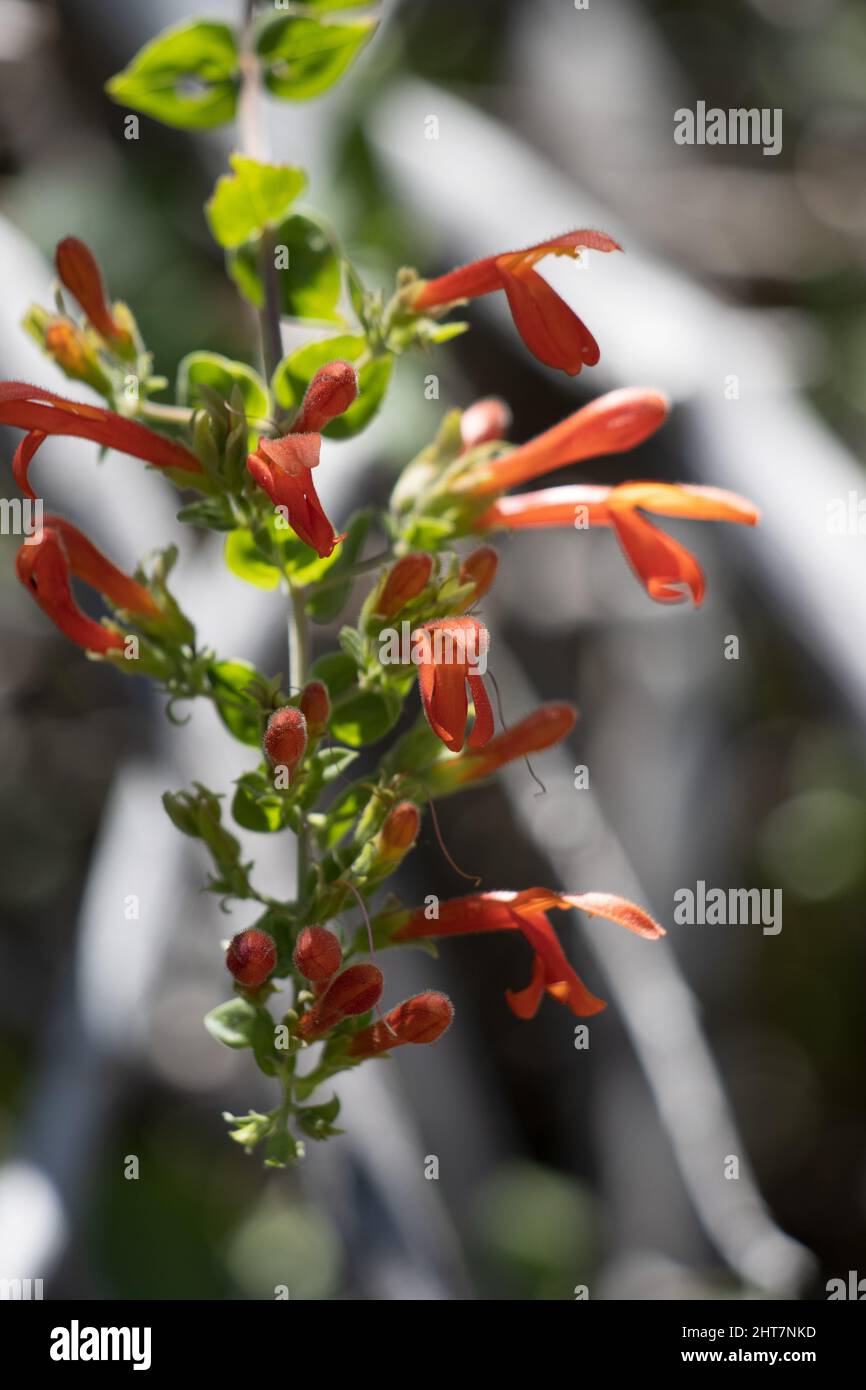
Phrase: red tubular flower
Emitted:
{"points": [[551, 331], [355, 990], [283, 468], [400, 830], [525, 912], [612, 424], [45, 568], [330, 392], [539, 730], [484, 422], [43, 412], [421, 1019], [285, 740], [79, 272], [404, 581], [315, 707], [317, 954], [664, 567], [479, 568], [96, 570], [251, 957], [450, 654]]}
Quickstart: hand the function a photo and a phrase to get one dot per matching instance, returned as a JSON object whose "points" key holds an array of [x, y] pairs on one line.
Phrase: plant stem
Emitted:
{"points": [[254, 144], [299, 661]]}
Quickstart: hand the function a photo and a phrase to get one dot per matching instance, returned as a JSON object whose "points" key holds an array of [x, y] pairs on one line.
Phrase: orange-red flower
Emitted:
{"points": [[79, 272], [46, 567], [451, 652], [611, 424], [405, 580], [525, 912], [283, 468], [421, 1019], [537, 731], [42, 412], [664, 566], [548, 327]]}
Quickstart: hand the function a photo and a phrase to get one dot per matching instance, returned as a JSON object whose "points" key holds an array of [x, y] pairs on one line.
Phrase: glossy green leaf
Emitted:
{"points": [[365, 717], [325, 606], [239, 710], [337, 670], [221, 374], [304, 57], [295, 372], [307, 265], [244, 559], [254, 196], [187, 76], [343, 813], [255, 811]]}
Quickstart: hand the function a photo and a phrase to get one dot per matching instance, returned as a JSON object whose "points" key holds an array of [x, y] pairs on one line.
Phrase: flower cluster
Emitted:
{"points": [[242, 448]]}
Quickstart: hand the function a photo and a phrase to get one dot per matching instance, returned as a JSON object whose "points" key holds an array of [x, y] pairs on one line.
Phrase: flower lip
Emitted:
{"points": [[452, 654]]}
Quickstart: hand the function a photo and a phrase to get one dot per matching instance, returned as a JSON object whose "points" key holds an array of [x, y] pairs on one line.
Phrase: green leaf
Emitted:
{"points": [[353, 645], [343, 813], [187, 76], [240, 712], [318, 1120], [337, 670], [295, 372], [244, 559], [214, 513], [221, 374], [365, 717], [308, 269], [253, 197], [233, 1023], [255, 812], [304, 57]]}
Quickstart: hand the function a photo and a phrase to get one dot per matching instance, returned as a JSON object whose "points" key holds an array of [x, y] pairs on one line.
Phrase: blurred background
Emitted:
{"points": [[557, 1167]]}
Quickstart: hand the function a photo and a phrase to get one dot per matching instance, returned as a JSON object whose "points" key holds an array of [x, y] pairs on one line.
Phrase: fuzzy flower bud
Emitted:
{"points": [[80, 274], [354, 991], [331, 391], [421, 1019], [251, 957], [400, 830], [315, 707], [317, 954], [285, 740], [479, 568], [405, 581]]}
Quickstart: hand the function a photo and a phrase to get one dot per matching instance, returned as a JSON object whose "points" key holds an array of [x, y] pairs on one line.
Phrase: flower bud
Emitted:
{"points": [[354, 991], [400, 830], [80, 274], [331, 391], [488, 419], [317, 953], [74, 355], [316, 707], [405, 581], [251, 957], [421, 1019], [479, 568], [285, 739]]}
